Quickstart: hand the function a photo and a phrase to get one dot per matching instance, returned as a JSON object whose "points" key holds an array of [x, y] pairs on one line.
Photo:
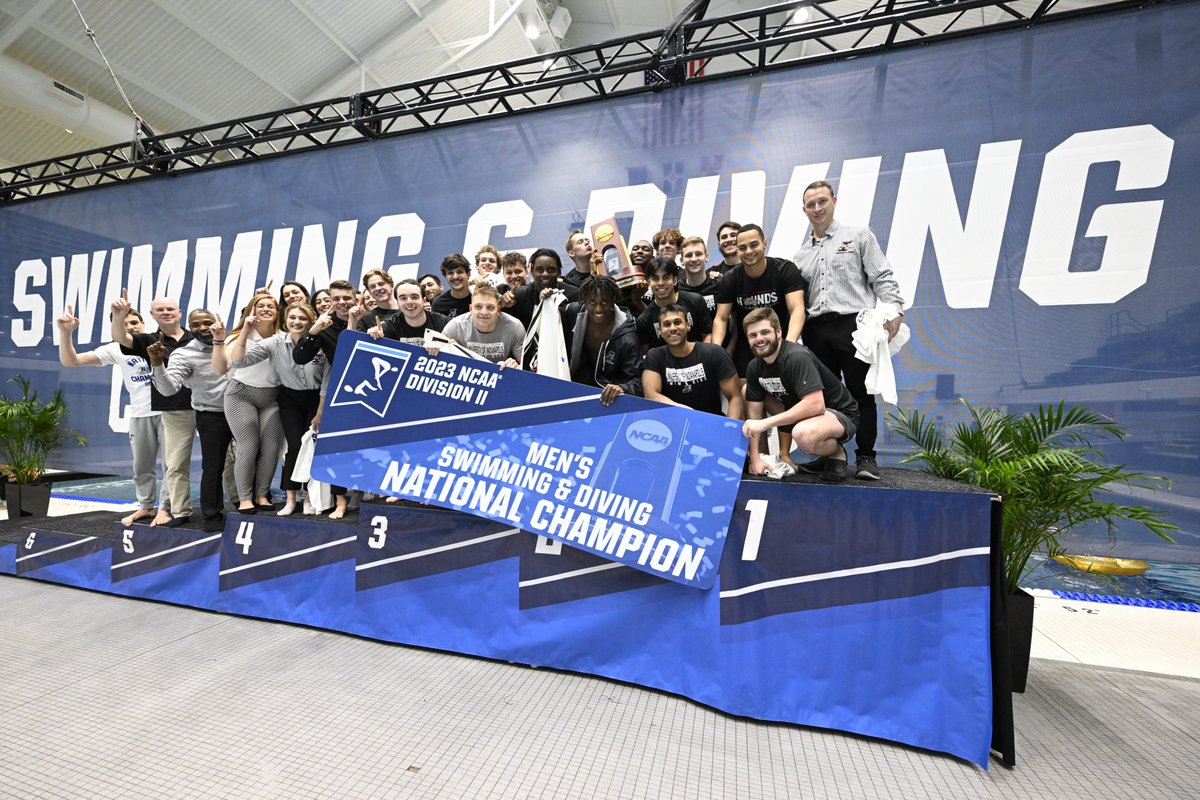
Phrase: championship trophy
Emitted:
{"points": [[614, 253]]}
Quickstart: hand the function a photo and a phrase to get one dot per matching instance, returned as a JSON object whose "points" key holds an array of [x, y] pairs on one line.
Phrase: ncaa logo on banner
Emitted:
{"points": [[371, 378], [648, 435]]}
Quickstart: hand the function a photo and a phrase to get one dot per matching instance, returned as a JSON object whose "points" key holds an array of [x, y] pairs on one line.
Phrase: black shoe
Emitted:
{"points": [[266, 508], [250, 510], [814, 467], [835, 471], [868, 469]]}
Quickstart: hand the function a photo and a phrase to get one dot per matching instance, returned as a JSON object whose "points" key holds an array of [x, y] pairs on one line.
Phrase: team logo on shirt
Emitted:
{"points": [[371, 377], [685, 377], [773, 385], [846, 247], [759, 300]]}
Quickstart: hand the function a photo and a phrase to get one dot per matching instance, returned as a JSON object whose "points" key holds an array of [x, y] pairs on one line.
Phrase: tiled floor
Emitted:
{"points": [[108, 697]]}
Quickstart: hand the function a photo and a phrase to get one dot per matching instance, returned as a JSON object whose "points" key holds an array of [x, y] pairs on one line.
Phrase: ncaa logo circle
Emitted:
{"points": [[648, 435]]}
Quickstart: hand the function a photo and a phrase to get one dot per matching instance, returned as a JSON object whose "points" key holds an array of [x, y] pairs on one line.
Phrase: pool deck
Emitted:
{"points": [[113, 697]]}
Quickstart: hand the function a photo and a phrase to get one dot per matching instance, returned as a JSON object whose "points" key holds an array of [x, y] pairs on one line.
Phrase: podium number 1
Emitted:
{"points": [[754, 527]]}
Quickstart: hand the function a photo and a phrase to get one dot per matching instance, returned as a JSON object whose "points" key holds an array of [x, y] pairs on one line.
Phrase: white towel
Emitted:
{"points": [[545, 348], [872, 347]]}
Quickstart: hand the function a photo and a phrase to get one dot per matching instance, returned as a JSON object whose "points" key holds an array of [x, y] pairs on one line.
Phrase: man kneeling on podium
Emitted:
{"points": [[786, 380]]}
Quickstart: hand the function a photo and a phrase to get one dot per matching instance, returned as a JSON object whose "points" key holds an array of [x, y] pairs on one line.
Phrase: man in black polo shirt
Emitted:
{"points": [[178, 418], [687, 373], [788, 382]]}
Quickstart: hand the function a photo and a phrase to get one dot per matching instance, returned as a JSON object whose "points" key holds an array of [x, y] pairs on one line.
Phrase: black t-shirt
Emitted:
{"points": [[181, 400], [575, 278], [779, 279], [795, 373], [698, 318], [397, 327], [449, 306], [380, 314], [707, 290], [695, 379]]}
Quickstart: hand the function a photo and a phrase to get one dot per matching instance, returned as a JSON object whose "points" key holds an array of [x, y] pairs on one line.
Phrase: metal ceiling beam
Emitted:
{"points": [[743, 43]]}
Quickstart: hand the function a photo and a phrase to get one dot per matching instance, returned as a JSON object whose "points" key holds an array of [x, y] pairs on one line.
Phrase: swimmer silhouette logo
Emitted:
{"points": [[371, 378]]}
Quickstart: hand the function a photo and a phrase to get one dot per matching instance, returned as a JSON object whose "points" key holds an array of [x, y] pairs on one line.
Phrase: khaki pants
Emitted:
{"points": [[179, 430]]}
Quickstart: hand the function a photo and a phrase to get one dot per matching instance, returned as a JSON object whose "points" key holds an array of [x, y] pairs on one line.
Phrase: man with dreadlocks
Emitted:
{"points": [[603, 343]]}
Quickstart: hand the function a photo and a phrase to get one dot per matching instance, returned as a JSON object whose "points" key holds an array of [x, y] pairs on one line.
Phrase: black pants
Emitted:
{"points": [[297, 407], [829, 339], [215, 437]]}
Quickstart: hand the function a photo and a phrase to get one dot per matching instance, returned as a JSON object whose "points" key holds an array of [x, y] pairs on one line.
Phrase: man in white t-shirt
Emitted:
{"points": [[145, 425]]}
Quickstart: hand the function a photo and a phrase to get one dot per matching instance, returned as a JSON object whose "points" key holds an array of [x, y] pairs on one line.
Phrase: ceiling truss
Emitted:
{"points": [[750, 42]]}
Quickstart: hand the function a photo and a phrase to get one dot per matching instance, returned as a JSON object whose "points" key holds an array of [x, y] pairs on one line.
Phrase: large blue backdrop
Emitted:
{"points": [[1034, 190]]}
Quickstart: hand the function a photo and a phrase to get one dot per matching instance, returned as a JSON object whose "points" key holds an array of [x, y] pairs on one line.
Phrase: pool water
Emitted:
{"points": [[1163, 582]]}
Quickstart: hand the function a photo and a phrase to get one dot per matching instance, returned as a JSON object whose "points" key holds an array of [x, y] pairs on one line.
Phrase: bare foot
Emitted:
{"points": [[161, 518], [337, 513], [138, 516]]}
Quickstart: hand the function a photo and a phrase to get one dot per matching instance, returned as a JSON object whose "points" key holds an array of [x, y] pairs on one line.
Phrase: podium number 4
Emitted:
{"points": [[245, 536]]}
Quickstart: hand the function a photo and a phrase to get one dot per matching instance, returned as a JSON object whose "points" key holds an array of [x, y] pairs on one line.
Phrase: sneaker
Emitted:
{"points": [[835, 471], [868, 469], [814, 467]]}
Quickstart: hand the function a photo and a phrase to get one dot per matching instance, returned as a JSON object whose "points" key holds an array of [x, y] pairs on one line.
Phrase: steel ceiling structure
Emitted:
{"points": [[692, 49]]}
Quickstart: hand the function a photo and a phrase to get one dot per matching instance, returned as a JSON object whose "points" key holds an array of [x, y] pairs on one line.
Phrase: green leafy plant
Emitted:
{"points": [[1045, 466], [30, 431]]}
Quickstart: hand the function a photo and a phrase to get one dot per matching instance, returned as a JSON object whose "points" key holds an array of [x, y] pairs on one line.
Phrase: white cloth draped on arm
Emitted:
{"points": [[872, 347]]}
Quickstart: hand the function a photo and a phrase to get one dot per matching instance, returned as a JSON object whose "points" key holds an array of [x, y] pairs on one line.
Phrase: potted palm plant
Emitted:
{"points": [[1047, 469], [30, 431]]}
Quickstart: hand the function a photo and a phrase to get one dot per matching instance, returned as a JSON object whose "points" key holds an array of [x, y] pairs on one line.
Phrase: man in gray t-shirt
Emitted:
{"points": [[488, 331]]}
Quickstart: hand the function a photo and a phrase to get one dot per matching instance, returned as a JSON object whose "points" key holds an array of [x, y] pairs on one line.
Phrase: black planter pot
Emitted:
{"points": [[27, 499], [1020, 636]]}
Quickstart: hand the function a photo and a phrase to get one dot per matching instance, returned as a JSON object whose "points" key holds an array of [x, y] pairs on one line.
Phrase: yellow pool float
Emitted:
{"points": [[1104, 564]]}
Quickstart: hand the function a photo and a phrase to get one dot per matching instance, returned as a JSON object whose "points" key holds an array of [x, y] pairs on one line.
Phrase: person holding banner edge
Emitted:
{"points": [[786, 380], [691, 374]]}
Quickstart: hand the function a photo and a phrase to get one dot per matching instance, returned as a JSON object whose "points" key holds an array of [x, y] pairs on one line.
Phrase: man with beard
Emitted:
{"points": [[178, 418], [191, 367], [758, 282], [412, 320], [791, 384], [664, 282], [457, 299], [688, 373], [603, 348]]}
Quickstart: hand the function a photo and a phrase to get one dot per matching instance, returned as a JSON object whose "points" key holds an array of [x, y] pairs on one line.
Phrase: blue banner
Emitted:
{"points": [[641, 483]]}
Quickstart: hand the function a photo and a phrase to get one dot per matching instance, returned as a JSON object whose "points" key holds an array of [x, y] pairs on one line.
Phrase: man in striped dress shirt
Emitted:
{"points": [[847, 272]]}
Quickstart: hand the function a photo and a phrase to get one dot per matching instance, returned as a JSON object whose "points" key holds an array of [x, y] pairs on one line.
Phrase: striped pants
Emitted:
{"points": [[253, 416]]}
